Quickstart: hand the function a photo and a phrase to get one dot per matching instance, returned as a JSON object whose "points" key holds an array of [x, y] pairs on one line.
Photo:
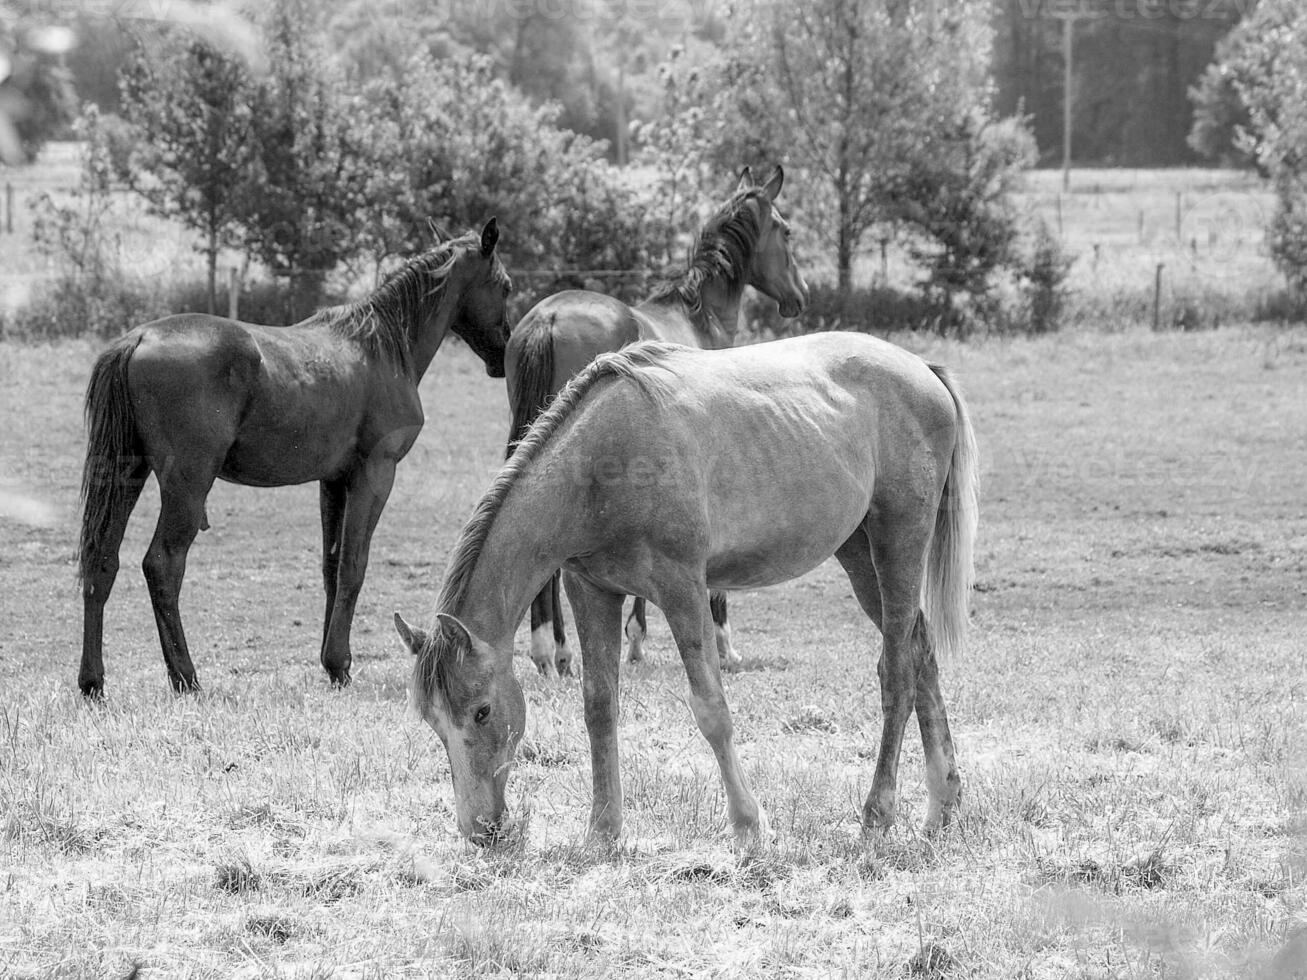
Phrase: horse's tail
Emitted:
{"points": [[532, 382], [113, 447], [950, 569]]}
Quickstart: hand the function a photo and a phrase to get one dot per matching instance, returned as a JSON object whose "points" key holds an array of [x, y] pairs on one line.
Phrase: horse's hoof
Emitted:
{"points": [[339, 678], [564, 667], [92, 690], [183, 684]]}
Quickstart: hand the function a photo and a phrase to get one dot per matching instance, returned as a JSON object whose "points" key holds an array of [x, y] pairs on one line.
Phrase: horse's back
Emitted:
{"points": [[582, 325], [774, 454]]}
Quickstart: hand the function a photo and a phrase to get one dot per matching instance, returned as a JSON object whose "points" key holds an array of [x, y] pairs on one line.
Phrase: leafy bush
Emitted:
{"points": [[70, 307], [878, 310], [1043, 279]]}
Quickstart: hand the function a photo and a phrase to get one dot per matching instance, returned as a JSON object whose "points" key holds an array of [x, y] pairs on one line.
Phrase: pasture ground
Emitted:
{"points": [[1129, 715]]}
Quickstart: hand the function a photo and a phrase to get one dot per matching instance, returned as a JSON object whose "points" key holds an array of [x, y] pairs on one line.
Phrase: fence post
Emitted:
{"points": [[9, 207], [1157, 298], [233, 293]]}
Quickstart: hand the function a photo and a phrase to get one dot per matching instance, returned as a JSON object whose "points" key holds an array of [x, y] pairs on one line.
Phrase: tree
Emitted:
{"points": [[1239, 96], [190, 105], [883, 107], [304, 203], [451, 142], [1271, 76]]}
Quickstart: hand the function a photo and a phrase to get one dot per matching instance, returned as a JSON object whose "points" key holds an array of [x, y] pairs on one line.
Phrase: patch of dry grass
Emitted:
{"points": [[1129, 719]]}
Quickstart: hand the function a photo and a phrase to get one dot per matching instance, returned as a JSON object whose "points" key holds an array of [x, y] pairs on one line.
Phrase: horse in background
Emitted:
{"points": [[746, 242], [778, 456], [194, 397]]}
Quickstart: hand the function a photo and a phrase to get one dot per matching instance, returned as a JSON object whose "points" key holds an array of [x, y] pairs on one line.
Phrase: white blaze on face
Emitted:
{"points": [[460, 768]]}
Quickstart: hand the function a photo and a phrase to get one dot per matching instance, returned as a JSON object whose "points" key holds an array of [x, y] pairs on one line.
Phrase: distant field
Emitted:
{"points": [[1131, 720]]}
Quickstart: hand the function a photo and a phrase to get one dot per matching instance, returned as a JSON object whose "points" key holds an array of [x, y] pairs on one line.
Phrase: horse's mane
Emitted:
{"points": [[723, 249], [645, 364], [384, 323]]}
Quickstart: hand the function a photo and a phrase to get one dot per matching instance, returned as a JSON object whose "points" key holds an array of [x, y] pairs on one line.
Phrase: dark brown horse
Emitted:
{"points": [[194, 398], [746, 243]]}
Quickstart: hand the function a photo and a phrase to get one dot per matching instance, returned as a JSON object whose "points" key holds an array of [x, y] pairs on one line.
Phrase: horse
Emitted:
{"points": [[746, 242], [193, 398], [666, 472]]}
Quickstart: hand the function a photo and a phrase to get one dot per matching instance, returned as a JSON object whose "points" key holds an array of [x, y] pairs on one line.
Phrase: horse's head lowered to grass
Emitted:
{"points": [[474, 703]]}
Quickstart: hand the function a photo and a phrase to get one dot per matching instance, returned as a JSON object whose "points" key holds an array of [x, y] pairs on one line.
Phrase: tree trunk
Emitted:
{"points": [[211, 255]]}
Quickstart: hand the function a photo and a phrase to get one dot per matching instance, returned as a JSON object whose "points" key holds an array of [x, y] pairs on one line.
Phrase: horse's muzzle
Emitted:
{"points": [[791, 308]]}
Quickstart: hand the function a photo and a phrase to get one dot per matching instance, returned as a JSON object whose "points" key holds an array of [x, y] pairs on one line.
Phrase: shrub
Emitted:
{"points": [[1043, 279], [77, 307], [878, 310]]}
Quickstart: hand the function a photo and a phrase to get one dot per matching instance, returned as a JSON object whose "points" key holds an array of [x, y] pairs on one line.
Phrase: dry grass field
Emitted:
{"points": [[1131, 720]]}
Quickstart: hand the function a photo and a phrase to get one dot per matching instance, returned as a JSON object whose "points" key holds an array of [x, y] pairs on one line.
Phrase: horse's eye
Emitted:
{"points": [[482, 714]]}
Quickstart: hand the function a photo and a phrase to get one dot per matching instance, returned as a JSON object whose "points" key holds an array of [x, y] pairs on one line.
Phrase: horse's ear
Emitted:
{"points": [[772, 188], [437, 232], [489, 237], [746, 180], [414, 639], [456, 629]]}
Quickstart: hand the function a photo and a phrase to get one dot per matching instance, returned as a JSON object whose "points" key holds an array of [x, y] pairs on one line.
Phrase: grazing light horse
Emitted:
{"points": [[665, 472], [747, 242], [194, 398]]}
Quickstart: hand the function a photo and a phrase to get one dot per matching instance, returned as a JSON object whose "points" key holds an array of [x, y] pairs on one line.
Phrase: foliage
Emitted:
{"points": [[1044, 282], [75, 233], [304, 202], [450, 142], [678, 145], [881, 110], [191, 107], [1236, 97], [959, 197], [1270, 71]]}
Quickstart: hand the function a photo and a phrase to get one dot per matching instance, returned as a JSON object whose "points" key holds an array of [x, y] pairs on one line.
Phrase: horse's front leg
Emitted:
{"points": [[690, 618], [599, 626], [331, 502], [365, 497]]}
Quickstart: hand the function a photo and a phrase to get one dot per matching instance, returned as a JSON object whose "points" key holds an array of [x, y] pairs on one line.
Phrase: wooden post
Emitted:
{"points": [[1068, 21], [1157, 298], [9, 207], [1179, 213], [884, 261], [233, 293], [1060, 232]]}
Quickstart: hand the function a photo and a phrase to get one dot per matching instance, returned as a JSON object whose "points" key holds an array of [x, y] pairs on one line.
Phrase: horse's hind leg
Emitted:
{"points": [[100, 570], [725, 649], [635, 630], [562, 655], [943, 783], [898, 539], [181, 516], [543, 642]]}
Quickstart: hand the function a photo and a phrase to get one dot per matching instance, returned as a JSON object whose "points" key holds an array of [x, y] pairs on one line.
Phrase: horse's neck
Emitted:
{"points": [[532, 534], [712, 327], [427, 331]]}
